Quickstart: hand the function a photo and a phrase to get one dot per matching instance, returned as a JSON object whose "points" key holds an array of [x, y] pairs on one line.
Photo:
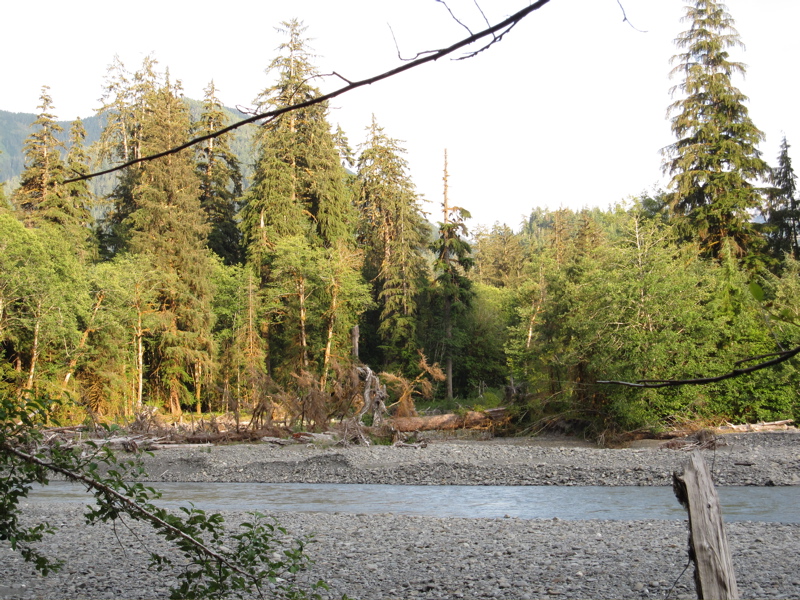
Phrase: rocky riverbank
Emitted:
{"points": [[395, 556], [740, 459]]}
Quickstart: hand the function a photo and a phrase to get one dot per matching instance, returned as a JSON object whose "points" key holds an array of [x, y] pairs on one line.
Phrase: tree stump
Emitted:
{"points": [[708, 544]]}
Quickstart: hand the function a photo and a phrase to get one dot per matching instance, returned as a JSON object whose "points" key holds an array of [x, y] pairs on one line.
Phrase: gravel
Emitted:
{"points": [[745, 459], [397, 556]]}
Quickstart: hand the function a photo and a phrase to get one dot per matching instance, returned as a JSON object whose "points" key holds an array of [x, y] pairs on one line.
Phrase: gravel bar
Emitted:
{"points": [[744, 459], [400, 557]]}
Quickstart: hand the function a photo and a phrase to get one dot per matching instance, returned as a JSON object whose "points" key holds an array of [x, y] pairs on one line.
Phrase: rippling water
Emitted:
{"points": [[780, 504]]}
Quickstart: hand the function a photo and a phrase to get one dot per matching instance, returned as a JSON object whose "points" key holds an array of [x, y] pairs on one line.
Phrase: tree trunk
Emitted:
{"points": [[329, 344], [301, 293], [198, 383], [448, 422], [139, 339], [34, 356], [354, 333], [175, 399], [82, 344], [448, 334]]}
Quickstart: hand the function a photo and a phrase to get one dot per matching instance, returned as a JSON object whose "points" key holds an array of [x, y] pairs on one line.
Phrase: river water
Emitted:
{"points": [[775, 504]]}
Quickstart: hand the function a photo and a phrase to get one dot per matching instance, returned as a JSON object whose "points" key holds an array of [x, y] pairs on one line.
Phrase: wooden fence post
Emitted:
{"points": [[708, 545]]}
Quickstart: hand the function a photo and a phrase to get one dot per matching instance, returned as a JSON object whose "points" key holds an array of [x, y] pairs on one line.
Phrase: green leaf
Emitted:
{"points": [[756, 291]]}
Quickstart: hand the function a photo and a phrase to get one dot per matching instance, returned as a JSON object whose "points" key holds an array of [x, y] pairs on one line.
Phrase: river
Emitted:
{"points": [[773, 504]]}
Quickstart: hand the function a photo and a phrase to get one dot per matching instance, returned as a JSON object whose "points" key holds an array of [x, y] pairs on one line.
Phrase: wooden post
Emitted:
{"points": [[708, 545]]}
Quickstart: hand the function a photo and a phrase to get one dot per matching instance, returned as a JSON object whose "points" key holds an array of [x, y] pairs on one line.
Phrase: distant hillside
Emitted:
{"points": [[16, 127]]}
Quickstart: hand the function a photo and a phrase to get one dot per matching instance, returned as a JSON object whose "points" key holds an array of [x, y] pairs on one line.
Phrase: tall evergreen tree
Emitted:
{"points": [[168, 225], [394, 233], [220, 180], [299, 184], [75, 210], [298, 218], [124, 107], [40, 193], [3, 201], [453, 261], [715, 159], [783, 212]]}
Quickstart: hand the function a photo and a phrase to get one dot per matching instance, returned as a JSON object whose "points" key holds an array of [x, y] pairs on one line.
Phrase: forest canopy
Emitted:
{"points": [[259, 274]]}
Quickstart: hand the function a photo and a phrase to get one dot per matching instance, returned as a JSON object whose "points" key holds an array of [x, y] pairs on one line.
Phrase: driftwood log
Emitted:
{"points": [[708, 544], [770, 426], [470, 420]]}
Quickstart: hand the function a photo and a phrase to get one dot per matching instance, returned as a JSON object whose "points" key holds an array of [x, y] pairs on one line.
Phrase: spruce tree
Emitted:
{"points": [[715, 159], [3, 201], [78, 198], [298, 215], [394, 234], [40, 193], [453, 261], [783, 212], [299, 183], [168, 226], [124, 107], [220, 180]]}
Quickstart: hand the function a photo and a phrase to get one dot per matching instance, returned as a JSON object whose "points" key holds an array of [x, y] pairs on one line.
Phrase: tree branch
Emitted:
{"points": [[660, 383], [503, 26], [131, 507], [625, 18]]}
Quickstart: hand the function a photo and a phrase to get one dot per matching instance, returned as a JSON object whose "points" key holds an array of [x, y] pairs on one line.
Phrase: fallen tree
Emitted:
{"points": [[470, 420]]}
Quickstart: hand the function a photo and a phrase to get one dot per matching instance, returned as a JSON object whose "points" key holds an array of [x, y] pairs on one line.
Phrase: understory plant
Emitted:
{"points": [[209, 560]]}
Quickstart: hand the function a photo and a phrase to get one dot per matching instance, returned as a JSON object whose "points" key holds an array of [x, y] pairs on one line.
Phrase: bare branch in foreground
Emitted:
{"points": [[503, 26], [625, 18], [454, 17], [660, 383]]}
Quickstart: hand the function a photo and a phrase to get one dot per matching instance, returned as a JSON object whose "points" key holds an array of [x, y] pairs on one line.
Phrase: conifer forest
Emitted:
{"points": [[260, 278]]}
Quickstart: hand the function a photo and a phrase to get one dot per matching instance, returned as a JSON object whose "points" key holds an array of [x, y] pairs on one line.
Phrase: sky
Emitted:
{"points": [[568, 110]]}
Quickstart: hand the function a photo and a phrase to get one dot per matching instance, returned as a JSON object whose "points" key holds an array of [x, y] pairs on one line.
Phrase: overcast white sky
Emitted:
{"points": [[568, 110]]}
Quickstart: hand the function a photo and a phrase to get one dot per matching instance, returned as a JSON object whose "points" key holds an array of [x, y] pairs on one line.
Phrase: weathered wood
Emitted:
{"points": [[771, 426], [471, 419], [708, 544]]}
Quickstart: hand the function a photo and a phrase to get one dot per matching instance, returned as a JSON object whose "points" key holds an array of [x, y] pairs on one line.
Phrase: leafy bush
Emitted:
{"points": [[260, 563]]}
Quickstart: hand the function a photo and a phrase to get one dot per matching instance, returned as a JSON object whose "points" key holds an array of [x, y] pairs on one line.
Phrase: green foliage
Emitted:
{"points": [[19, 421], [40, 194], [570, 298], [299, 184], [220, 176], [484, 334], [43, 303], [640, 307], [499, 256], [716, 158], [783, 212], [394, 234], [168, 226], [260, 561], [452, 261]]}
